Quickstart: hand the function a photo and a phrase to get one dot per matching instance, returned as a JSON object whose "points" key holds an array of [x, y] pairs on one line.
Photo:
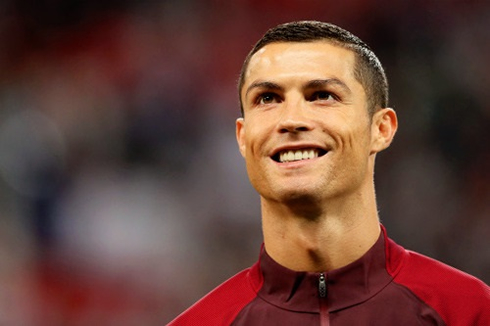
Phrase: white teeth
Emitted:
{"points": [[297, 155]]}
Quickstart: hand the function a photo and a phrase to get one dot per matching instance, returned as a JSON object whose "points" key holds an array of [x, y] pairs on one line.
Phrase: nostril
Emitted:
{"points": [[294, 129]]}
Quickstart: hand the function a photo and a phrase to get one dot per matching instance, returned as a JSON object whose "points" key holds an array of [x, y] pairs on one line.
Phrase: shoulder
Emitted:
{"points": [[221, 305], [460, 299]]}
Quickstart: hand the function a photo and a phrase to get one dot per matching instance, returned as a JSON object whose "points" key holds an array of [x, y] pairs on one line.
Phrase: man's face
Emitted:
{"points": [[306, 132]]}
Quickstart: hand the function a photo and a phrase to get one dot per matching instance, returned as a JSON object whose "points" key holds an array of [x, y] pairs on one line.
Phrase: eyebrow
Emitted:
{"points": [[264, 85], [320, 83], [312, 84]]}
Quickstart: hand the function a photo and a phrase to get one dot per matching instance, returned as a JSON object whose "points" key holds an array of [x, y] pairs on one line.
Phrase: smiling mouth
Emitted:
{"points": [[298, 155]]}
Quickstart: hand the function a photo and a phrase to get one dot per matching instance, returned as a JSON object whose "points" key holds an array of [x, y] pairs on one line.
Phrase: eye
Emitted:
{"points": [[266, 98], [322, 96]]}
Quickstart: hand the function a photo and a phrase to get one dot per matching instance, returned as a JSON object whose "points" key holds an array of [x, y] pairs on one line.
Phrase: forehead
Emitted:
{"points": [[298, 60]]}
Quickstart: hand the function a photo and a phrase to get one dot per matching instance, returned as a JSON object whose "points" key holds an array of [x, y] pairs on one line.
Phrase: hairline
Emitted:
{"points": [[356, 69]]}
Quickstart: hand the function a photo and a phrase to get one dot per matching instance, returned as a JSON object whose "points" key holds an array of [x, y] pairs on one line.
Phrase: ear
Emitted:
{"points": [[240, 135], [383, 129]]}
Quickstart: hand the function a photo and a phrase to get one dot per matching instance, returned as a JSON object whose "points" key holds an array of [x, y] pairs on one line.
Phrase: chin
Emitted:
{"points": [[298, 195]]}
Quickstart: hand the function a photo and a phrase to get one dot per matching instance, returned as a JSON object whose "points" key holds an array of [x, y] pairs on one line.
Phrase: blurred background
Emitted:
{"points": [[123, 198]]}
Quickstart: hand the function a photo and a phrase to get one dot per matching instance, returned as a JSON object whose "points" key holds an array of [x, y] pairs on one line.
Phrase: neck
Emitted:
{"points": [[334, 236]]}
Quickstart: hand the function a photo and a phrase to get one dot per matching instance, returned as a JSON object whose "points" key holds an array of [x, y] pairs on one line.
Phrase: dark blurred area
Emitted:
{"points": [[123, 198]]}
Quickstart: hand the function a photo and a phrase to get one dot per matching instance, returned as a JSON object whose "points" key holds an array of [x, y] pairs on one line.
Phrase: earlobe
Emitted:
{"points": [[240, 135], [384, 127]]}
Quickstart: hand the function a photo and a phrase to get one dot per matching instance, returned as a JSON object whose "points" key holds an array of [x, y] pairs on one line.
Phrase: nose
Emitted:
{"points": [[294, 118]]}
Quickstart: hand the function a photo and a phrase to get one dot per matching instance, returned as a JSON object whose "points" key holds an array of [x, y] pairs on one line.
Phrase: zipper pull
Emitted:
{"points": [[322, 286]]}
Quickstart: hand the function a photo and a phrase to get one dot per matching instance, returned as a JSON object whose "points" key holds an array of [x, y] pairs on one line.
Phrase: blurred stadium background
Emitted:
{"points": [[123, 198]]}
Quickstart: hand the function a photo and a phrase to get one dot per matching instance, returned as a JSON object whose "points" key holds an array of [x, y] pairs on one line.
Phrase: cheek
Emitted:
{"points": [[362, 140], [353, 137], [257, 137]]}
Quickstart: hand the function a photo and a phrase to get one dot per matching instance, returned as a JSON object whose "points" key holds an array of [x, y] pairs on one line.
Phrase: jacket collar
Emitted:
{"points": [[346, 286]]}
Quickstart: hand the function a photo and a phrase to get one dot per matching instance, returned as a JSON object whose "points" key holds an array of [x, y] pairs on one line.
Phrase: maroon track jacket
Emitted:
{"points": [[387, 286]]}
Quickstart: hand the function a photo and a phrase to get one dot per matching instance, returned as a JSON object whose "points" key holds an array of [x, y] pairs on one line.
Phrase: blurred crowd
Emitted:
{"points": [[123, 197]]}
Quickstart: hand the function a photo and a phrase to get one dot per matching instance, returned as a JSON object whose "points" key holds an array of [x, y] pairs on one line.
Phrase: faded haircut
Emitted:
{"points": [[367, 68]]}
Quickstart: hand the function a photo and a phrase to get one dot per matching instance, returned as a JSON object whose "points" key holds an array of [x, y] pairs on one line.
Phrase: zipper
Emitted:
{"points": [[322, 286], [322, 293]]}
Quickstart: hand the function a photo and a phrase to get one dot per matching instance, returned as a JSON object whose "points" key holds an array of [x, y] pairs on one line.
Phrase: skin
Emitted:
{"points": [[318, 214]]}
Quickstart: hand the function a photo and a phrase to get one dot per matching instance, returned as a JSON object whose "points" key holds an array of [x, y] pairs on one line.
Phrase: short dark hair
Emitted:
{"points": [[367, 70]]}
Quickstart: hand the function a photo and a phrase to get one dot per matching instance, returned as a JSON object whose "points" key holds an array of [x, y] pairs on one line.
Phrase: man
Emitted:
{"points": [[315, 111]]}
